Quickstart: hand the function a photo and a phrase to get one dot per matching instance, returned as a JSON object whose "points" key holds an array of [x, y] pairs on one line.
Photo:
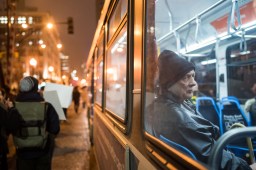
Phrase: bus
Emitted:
{"points": [[217, 36]]}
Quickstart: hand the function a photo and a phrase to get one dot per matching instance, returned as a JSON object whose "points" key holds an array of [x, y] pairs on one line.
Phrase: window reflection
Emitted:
{"points": [[202, 38], [116, 75], [99, 81], [116, 17]]}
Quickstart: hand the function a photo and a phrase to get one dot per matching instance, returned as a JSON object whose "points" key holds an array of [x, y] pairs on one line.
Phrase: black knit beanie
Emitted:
{"points": [[28, 84], [172, 68]]}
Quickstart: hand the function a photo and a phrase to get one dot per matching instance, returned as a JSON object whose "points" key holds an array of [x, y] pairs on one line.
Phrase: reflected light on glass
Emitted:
{"points": [[119, 49], [208, 62], [110, 70]]}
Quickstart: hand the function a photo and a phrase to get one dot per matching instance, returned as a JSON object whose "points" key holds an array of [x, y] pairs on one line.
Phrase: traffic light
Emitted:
{"points": [[70, 25]]}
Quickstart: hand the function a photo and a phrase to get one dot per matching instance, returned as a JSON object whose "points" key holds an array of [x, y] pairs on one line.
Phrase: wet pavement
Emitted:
{"points": [[73, 150]]}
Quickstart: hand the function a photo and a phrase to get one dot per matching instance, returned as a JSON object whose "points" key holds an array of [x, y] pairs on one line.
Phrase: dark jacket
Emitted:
{"points": [[10, 121], [182, 124], [53, 125], [76, 96], [252, 112]]}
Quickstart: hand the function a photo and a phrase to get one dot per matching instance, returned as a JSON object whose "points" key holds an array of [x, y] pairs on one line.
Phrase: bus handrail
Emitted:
{"points": [[226, 138], [192, 19]]}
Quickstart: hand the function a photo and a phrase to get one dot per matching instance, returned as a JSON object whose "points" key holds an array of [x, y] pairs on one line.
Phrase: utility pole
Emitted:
{"points": [[9, 40], [8, 57]]}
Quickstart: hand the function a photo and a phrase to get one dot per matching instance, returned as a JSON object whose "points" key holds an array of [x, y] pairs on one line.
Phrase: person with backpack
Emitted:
{"points": [[34, 141], [9, 122]]}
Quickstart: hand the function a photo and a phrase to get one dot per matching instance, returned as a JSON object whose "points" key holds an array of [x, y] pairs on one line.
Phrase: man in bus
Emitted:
{"points": [[173, 116]]}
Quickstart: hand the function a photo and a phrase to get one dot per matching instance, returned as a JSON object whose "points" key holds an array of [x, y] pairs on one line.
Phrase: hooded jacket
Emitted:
{"points": [[183, 125]]}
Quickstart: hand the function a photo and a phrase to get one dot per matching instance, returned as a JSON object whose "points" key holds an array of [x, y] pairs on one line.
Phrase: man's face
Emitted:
{"points": [[184, 88]]}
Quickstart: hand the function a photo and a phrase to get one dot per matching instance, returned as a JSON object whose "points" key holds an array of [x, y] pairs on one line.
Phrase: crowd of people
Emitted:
{"points": [[22, 117]]}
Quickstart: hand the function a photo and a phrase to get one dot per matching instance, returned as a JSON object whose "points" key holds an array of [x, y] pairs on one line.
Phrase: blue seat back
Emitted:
{"points": [[230, 113], [206, 106], [179, 147]]}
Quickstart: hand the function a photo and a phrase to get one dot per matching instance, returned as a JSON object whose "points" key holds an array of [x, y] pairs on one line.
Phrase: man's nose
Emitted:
{"points": [[192, 82]]}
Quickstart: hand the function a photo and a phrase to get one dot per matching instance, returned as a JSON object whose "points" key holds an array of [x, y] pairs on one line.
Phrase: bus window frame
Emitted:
{"points": [[100, 57], [120, 122], [164, 155], [167, 156], [120, 28], [99, 60], [110, 15]]}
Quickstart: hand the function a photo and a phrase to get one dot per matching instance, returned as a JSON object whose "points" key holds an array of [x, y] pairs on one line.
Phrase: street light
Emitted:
{"points": [[51, 69], [59, 45], [33, 63], [49, 25]]}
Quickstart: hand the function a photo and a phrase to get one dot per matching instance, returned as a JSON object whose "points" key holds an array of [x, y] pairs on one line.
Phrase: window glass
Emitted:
{"points": [[241, 68], [99, 82], [116, 17], [205, 36], [116, 74]]}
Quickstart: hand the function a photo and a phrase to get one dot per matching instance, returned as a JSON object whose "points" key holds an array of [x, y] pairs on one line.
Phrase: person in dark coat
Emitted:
{"points": [[39, 159], [76, 98], [173, 116], [10, 121]]}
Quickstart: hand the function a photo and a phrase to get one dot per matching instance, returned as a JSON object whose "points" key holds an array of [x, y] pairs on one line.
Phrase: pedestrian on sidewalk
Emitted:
{"points": [[37, 158], [9, 121], [84, 95], [76, 98]]}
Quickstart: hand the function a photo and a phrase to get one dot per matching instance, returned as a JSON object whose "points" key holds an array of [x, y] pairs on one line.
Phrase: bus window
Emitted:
{"points": [[201, 35], [241, 69], [116, 17], [99, 69], [206, 74], [116, 75], [99, 82], [101, 44]]}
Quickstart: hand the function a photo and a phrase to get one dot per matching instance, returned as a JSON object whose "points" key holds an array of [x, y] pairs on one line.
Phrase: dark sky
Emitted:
{"points": [[76, 45]]}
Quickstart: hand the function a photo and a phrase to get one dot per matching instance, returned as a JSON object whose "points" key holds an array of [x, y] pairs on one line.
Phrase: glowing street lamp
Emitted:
{"points": [[50, 69], [24, 26], [33, 62], [43, 46], [59, 46], [49, 25]]}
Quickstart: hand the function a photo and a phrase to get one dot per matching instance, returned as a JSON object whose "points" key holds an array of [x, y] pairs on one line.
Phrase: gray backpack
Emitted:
{"points": [[32, 133]]}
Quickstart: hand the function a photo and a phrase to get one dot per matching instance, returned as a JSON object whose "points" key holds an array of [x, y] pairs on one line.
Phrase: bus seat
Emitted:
{"points": [[230, 97], [208, 109], [230, 113], [179, 147]]}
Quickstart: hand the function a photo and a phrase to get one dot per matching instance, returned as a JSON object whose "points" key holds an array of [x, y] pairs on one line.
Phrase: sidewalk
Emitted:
{"points": [[72, 144], [72, 150]]}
